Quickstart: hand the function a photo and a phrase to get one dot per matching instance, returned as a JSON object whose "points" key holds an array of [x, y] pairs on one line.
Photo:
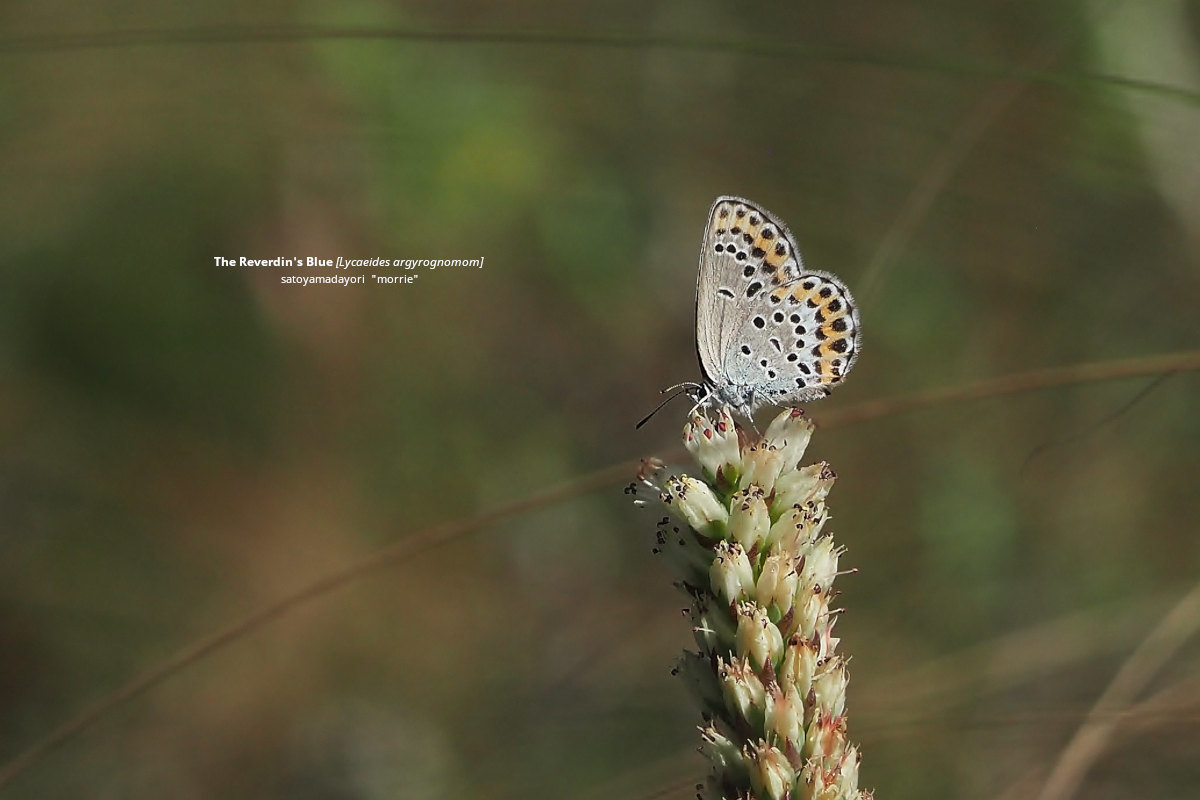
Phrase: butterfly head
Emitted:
{"points": [[743, 399]]}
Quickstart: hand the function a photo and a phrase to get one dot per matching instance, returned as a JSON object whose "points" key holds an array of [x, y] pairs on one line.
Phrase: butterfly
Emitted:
{"points": [[768, 331]]}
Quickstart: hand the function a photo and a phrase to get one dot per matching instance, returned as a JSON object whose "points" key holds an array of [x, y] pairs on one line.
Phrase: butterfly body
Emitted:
{"points": [[768, 331]]}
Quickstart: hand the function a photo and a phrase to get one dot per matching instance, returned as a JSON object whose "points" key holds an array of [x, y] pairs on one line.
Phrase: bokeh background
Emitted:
{"points": [[1006, 185]]}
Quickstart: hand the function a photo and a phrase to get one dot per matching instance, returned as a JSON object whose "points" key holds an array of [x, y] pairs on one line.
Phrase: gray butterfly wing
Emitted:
{"points": [[763, 322]]}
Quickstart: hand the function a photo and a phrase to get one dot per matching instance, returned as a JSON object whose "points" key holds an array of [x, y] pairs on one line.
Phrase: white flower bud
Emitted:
{"points": [[785, 715], [847, 772], [749, 519], [744, 691], [770, 773], [826, 739], [731, 575], [798, 666], [818, 783], [777, 583], [763, 463], [802, 485], [713, 444], [696, 503], [757, 637], [790, 433], [820, 564], [809, 612], [829, 687]]}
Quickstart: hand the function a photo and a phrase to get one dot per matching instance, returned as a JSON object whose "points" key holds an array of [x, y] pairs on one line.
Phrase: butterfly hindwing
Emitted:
{"points": [[764, 323]]}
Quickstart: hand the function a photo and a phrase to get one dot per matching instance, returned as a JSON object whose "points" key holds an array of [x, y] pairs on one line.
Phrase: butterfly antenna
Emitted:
{"points": [[677, 390]]}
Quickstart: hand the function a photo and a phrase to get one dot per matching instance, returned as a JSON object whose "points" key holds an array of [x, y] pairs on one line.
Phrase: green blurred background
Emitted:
{"points": [[1006, 186]]}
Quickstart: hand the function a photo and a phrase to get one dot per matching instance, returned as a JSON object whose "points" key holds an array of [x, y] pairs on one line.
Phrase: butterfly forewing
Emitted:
{"points": [[762, 320]]}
